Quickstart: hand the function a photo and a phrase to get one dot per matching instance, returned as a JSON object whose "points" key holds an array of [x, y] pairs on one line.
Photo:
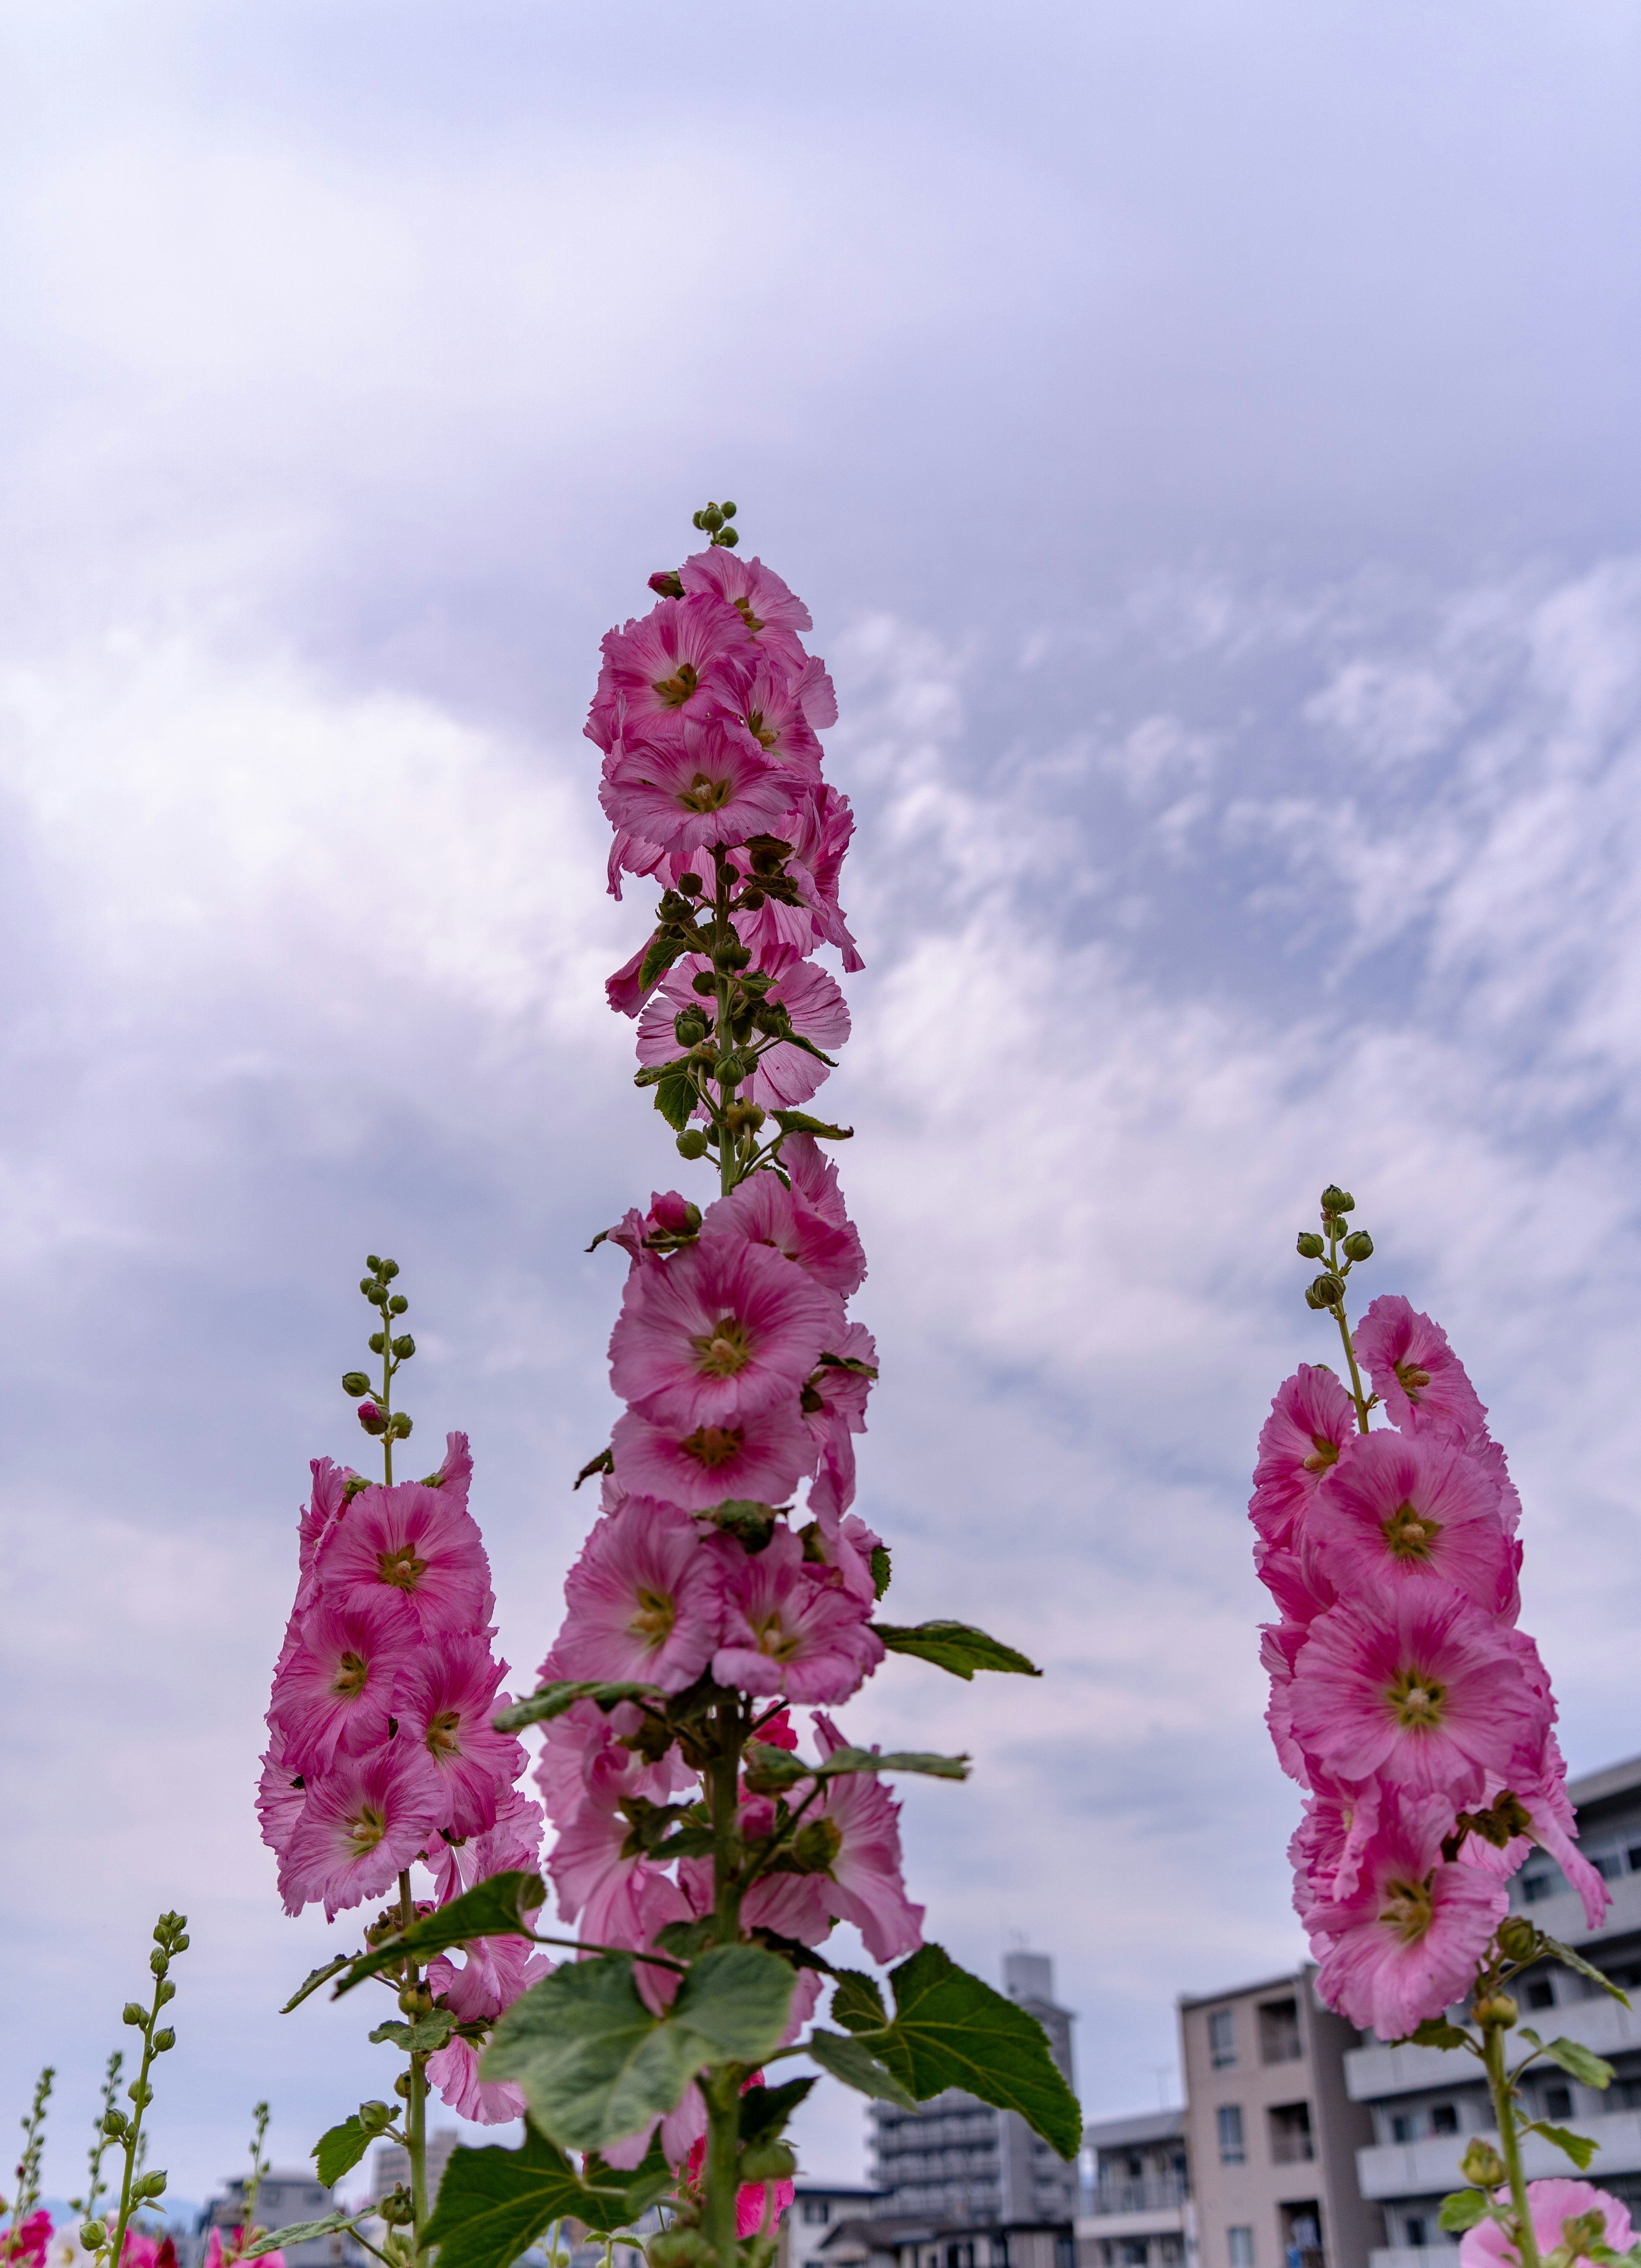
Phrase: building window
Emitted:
{"points": [[1404, 2125], [1291, 2142], [1413, 2230], [1557, 2101], [1444, 2118], [1541, 1993], [1534, 1886], [1232, 2151], [1134, 2252], [817, 2209], [1065, 2252], [1279, 2032], [1221, 2039], [1240, 2247]]}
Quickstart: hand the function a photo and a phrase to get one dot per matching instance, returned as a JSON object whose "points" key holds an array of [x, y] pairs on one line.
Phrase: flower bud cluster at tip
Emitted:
{"points": [[376, 1412], [1405, 1700]]}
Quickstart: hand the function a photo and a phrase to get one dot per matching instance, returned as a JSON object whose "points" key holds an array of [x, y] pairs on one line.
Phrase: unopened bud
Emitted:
{"points": [[689, 1027], [354, 1382], [665, 584], [1309, 1245], [164, 2041], [404, 1347], [768, 2161], [415, 2000], [402, 2087], [372, 1260], [704, 982], [372, 1418], [692, 1143], [398, 2209], [1518, 1939], [729, 952], [728, 510], [680, 2248], [728, 539], [690, 885], [399, 1424], [1335, 1200], [728, 1069], [1359, 1245], [134, 2013], [378, 1343], [815, 1845], [397, 1305], [1580, 2231], [93, 2233], [1498, 2011], [388, 1270], [743, 1118], [373, 2117], [113, 2124], [1482, 2165]]}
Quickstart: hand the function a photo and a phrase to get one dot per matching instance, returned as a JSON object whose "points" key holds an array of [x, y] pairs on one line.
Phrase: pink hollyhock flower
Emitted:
{"points": [[865, 1885], [1407, 1508], [142, 2250], [1551, 2204], [764, 1210], [511, 1845], [336, 1687], [785, 1076], [1416, 1686], [362, 1823], [1405, 1944], [712, 784], [788, 1629], [643, 1601], [724, 1331], [1297, 1581], [218, 2253], [1279, 1645], [757, 593], [453, 2071], [671, 1219], [624, 990], [815, 1178], [620, 1900], [314, 1521], [753, 2200], [446, 1700], [847, 1544], [820, 831], [280, 1798], [835, 1409], [1326, 1851], [1539, 1785], [584, 1754], [416, 1544], [1489, 1455], [27, 2239], [667, 665], [495, 1973], [1415, 1373], [1312, 1421], [769, 703], [758, 1457]]}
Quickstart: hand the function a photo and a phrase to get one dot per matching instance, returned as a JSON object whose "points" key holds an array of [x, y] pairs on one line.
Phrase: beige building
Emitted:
{"points": [[1272, 2132], [1136, 2209]]}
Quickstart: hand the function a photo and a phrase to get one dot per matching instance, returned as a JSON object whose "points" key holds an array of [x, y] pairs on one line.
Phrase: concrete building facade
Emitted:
{"points": [[1426, 2103], [955, 2158], [818, 2208], [1272, 2130], [282, 2199], [1137, 2207]]}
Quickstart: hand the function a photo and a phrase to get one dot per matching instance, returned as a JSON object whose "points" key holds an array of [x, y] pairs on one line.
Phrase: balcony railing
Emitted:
{"points": [[1291, 2145], [1162, 2192]]}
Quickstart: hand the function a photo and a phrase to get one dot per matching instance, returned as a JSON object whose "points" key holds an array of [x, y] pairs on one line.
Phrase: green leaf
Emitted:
{"points": [[652, 1074], [337, 2153], [315, 1977], [852, 2061], [592, 2061], [605, 1461], [492, 1907], [1569, 1959], [663, 950], [951, 2029], [764, 2110], [1462, 2209], [880, 1569], [858, 2002], [956, 1646], [904, 1760], [493, 2203], [737, 1998], [1578, 2147], [799, 1122], [552, 1701], [425, 2036], [298, 2232], [676, 1099], [1585, 2066], [1437, 2032]]}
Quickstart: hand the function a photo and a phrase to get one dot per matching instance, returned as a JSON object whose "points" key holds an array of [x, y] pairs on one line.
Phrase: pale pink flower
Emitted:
{"points": [[280, 1797], [495, 1972], [1326, 1851], [724, 1331], [1406, 1942], [313, 1522], [1312, 1421], [1551, 2204], [667, 665], [790, 1628], [645, 1600], [415, 1543], [835, 1410], [845, 1542], [583, 1754], [671, 1219], [446, 1700], [1416, 1686], [362, 1823], [865, 1884], [334, 1688], [510, 1844], [1539, 1785], [819, 831], [619, 1900], [452, 2071], [1415, 1373], [785, 1076], [768, 701], [815, 1178], [1489, 1455], [764, 1210], [624, 989], [1297, 1581], [712, 784], [1407, 1508]]}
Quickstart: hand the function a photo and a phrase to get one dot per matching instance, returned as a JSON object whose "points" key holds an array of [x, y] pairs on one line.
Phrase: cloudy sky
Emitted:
{"points": [[1205, 438]]}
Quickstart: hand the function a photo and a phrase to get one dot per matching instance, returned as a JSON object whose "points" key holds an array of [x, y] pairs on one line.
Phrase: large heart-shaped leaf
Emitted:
{"points": [[495, 1907], [951, 2029], [493, 2203]]}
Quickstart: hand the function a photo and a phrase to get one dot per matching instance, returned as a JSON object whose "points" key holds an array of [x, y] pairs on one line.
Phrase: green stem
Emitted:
{"points": [[415, 2102], [1509, 2142], [721, 2085], [723, 929], [140, 2094], [1356, 1394], [722, 2090]]}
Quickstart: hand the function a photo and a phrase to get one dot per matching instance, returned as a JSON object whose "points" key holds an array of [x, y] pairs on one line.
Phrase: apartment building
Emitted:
{"points": [[957, 2160], [1136, 2206], [1271, 2131], [818, 2208], [282, 2199], [1425, 2103]]}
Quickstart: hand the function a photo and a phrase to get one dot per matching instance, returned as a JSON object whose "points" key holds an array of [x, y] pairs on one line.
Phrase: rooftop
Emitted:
{"points": [[1613, 1779], [1139, 2127], [1288, 1979]]}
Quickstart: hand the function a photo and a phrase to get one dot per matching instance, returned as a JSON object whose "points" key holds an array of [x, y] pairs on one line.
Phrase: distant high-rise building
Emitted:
{"points": [[957, 2159]]}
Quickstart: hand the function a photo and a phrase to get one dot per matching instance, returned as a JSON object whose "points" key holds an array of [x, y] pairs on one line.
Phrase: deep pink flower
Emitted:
{"points": [[768, 700], [1405, 1944], [713, 783], [619, 1900], [844, 1541], [510, 1844], [27, 2239], [362, 1823], [752, 2198], [724, 1331], [1416, 1686], [667, 665], [645, 1600], [757, 593], [446, 1700], [280, 1797], [334, 1688], [790, 1628], [329, 1494], [1406, 1508], [820, 832], [1415, 1373], [415, 1543], [1539, 1785], [216, 2252], [1311, 1420], [1552, 2204], [835, 1410], [764, 1210], [785, 1076], [583, 1755], [495, 1972], [452, 2071], [671, 1219], [1297, 1581]]}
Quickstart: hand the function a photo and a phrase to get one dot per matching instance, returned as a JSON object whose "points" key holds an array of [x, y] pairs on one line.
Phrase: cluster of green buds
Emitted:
{"points": [[33, 2125], [713, 521], [1339, 1244], [376, 1413], [123, 2128]]}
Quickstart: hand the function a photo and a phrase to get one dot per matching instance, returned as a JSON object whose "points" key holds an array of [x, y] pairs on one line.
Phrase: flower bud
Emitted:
{"points": [[373, 2117], [689, 1027], [704, 982], [767, 2162], [690, 885], [665, 584], [398, 2209], [377, 1343], [164, 1990], [372, 1418], [367, 1284], [372, 1260], [1580, 2231], [1359, 1245], [729, 952], [728, 1069], [1496, 2010], [401, 2087], [1326, 1292], [815, 1845], [389, 1268], [728, 510], [729, 538], [404, 1347], [165, 2040], [133, 2013], [399, 1424], [1482, 2165], [114, 2125], [146, 2186], [1518, 1939], [1309, 1245], [93, 2233], [1335, 1200], [397, 1305], [743, 1118], [752, 900], [692, 1143], [354, 1382]]}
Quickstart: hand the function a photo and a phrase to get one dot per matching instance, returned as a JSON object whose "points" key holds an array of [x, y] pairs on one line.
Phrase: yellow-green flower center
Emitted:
{"points": [[444, 1733], [712, 1445], [366, 1829], [1413, 1379], [1409, 1533], [1418, 1699], [1407, 1910], [724, 1349], [676, 689], [655, 1617], [351, 1672], [402, 1568], [1324, 1454], [704, 794]]}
